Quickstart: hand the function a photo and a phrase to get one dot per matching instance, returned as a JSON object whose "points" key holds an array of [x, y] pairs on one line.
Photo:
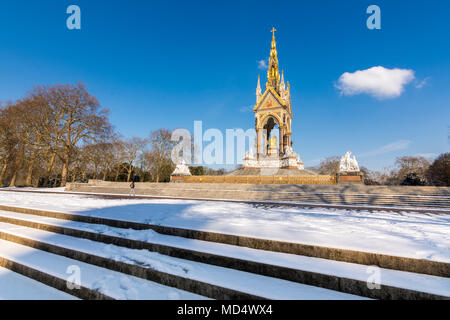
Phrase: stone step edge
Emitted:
{"points": [[378, 202], [395, 207], [293, 194], [284, 194], [182, 283], [294, 202], [326, 281], [436, 268], [250, 187], [52, 281]]}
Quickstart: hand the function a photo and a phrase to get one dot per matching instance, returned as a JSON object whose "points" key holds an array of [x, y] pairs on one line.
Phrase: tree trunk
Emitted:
{"points": [[104, 175], [73, 176], [65, 171], [49, 169], [13, 179], [31, 165], [2, 174], [17, 166], [130, 169], [157, 175], [30, 171]]}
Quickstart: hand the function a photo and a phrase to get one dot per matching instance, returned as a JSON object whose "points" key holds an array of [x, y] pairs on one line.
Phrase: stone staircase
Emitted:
{"points": [[384, 196], [115, 263]]}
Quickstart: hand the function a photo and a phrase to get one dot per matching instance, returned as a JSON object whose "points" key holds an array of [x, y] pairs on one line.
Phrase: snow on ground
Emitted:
{"points": [[12, 288], [262, 286], [111, 283], [400, 279], [415, 235], [59, 189]]}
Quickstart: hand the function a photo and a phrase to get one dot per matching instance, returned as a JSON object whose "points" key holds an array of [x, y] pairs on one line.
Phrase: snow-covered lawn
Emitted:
{"points": [[415, 235]]}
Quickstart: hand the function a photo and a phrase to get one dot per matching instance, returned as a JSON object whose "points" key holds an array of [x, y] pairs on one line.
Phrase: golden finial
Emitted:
{"points": [[273, 32], [273, 77]]}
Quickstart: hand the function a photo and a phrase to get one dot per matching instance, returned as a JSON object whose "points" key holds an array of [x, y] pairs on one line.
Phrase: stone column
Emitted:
{"points": [[281, 142], [259, 142]]}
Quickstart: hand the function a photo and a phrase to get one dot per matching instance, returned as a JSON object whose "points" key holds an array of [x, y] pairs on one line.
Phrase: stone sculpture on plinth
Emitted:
{"points": [[181, 170], [349, 170]]}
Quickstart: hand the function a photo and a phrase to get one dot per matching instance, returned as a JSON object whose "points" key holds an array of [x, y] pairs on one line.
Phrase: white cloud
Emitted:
{"points": [[379, 82], [263, 64], [246, 108], [314, 162], [422, 83], [429, 156], [391, 147]]}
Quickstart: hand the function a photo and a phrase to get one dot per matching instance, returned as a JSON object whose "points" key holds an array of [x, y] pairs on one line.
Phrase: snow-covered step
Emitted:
{"points": [[14, 286], [313, 271], [106, 283], [366, 200], [39, 219], [143, 263]]}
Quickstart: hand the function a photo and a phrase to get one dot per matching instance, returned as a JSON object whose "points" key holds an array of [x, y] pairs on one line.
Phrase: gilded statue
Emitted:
{"points": [[273, 142]]}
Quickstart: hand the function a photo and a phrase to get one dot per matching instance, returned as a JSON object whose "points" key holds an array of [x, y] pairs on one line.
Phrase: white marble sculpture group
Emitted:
{"points": [[288, 159], [181, 169], [348, 164]]}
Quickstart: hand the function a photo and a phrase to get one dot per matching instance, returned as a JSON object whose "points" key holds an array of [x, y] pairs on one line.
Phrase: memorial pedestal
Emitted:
{"points": [[349, 177]]}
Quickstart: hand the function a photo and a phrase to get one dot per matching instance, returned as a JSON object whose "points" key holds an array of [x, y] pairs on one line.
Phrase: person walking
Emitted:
{"points": [[132, 192]]}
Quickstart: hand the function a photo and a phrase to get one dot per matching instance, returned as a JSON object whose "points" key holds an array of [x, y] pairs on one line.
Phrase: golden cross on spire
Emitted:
{"points": [[273, 32]]}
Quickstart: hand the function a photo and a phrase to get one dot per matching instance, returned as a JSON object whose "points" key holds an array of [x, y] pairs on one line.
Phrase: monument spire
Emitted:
{"points": [[273, 75], [282, 85], [258, 91]]}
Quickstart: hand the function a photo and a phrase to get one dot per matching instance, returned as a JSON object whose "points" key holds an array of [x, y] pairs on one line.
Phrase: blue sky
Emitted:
{"points": [[168, 63]]}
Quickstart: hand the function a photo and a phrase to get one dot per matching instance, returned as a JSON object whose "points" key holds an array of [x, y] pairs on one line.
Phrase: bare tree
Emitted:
{"points": [[416, 166], [100, 158], [76, 117], [9, 142], [329, 166], [108, 152], [159, 157], [35, 119], [438, 173], [131, 150], [17, 132], [44, 131]]}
